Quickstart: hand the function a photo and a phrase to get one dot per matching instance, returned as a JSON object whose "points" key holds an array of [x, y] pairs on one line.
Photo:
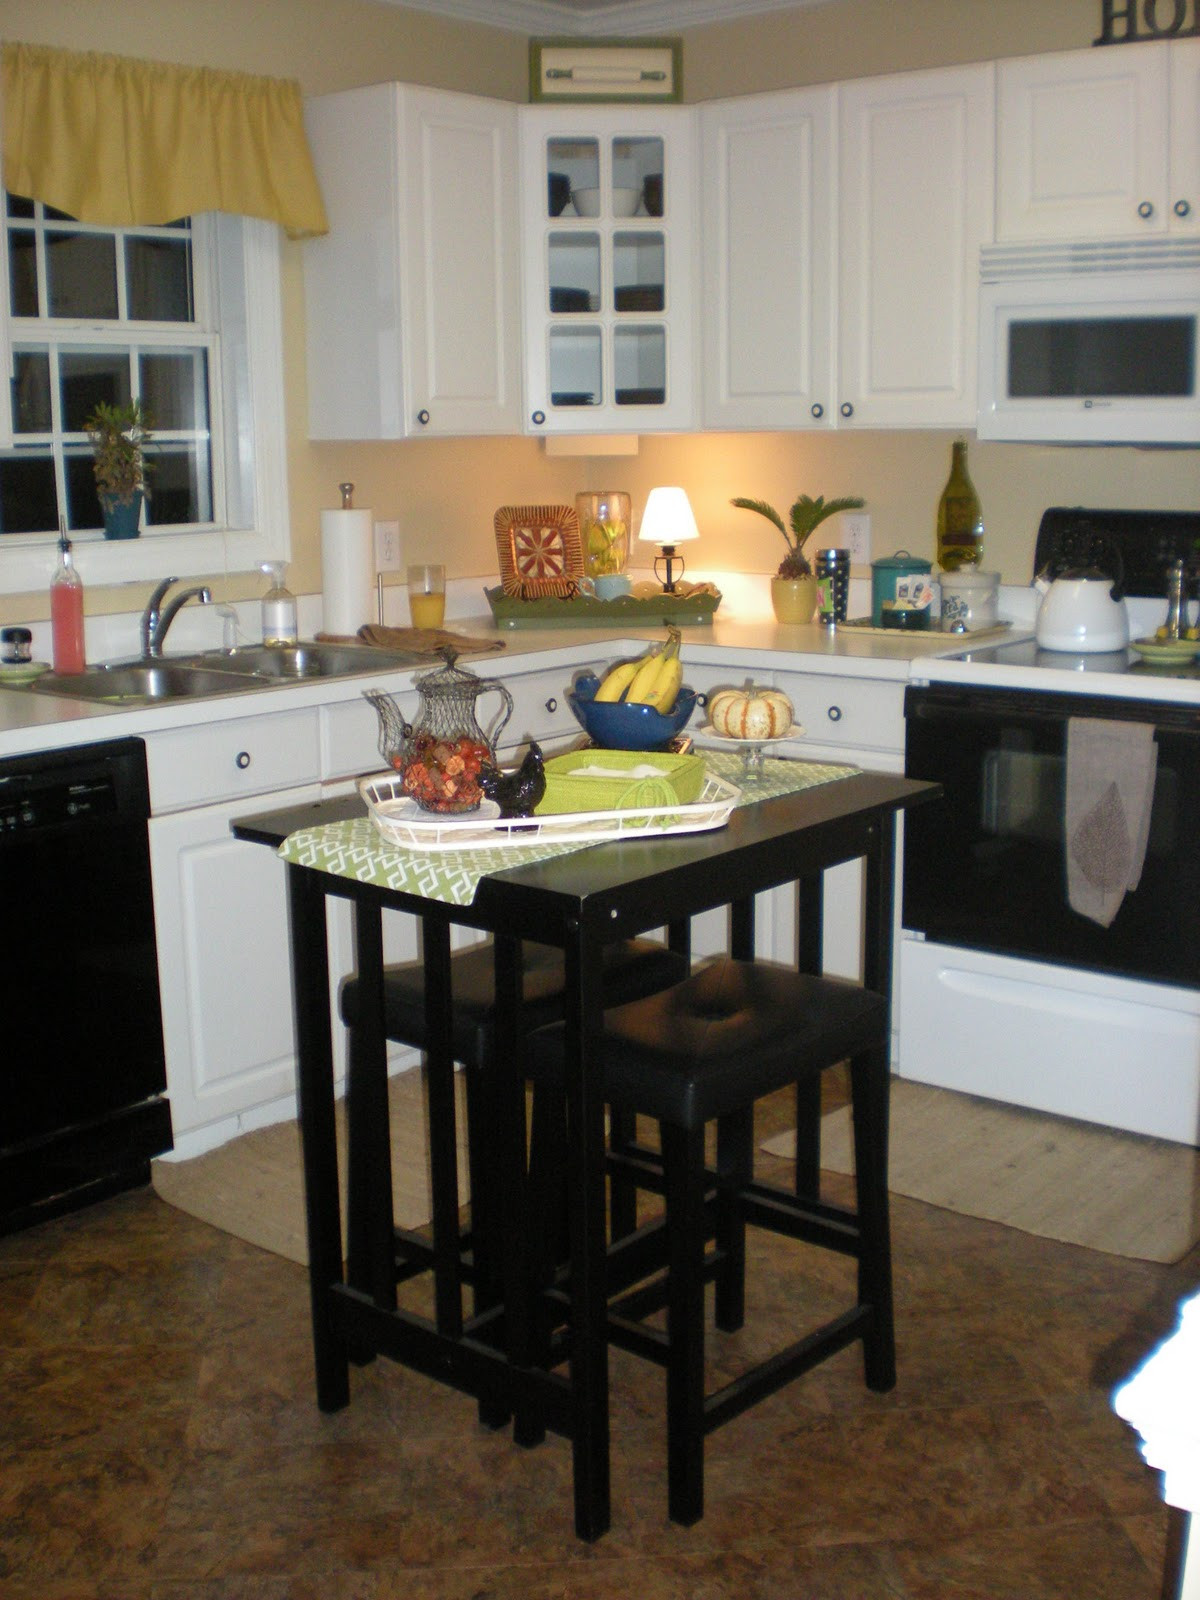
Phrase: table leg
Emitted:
{"points": [[810, 895], [318, 1134], [588, 1277], [371, 1266], [443, 1141]]}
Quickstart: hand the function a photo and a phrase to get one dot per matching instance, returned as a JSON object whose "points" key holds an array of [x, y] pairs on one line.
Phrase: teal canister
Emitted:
{"points": [[891, 581]]}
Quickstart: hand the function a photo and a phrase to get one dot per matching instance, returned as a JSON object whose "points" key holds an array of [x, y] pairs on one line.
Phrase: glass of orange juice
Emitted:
{"points": [[427, 595]]}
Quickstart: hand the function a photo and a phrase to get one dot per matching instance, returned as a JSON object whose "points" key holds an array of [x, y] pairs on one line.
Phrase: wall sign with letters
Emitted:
{"points": [[1131, 21]]}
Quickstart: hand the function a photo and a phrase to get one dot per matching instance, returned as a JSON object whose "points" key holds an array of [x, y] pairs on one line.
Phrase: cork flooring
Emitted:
{"points": [[159, 1438]]}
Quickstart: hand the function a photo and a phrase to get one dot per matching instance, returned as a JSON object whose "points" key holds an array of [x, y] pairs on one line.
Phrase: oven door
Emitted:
{"points": [[985, 867]]}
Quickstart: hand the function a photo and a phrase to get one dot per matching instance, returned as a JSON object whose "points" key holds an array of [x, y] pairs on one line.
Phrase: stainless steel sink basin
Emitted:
{"points": [[217, 672], [307, 660], [144, 682]]}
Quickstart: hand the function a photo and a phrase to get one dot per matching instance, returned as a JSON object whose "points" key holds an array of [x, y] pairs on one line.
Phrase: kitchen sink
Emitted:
{"points": [[217, 672], [307, 660], [141, 682]]}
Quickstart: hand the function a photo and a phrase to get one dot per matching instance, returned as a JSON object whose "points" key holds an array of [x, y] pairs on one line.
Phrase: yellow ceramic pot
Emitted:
{"points": [[794, 599]]}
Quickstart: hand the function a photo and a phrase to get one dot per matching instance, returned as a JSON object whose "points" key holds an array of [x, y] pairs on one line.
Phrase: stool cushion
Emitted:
{"points": [[730, 1033], [632, 968]]}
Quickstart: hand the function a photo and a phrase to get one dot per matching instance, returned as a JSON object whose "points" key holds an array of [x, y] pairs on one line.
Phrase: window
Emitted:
{"points": [[184, 317]]}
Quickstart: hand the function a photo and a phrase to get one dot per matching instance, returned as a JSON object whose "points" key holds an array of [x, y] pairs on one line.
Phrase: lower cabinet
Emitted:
{"points": [[223, 954]]}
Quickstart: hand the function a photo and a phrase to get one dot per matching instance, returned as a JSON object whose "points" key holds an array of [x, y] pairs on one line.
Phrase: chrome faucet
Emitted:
{"points": [[156, 619]]}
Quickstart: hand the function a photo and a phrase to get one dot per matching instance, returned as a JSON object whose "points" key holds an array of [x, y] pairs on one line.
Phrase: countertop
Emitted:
{"points": [[32, 721]]}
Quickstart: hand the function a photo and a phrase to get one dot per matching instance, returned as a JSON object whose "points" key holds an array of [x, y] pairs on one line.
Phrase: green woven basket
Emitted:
{"points": [[677, 780]]}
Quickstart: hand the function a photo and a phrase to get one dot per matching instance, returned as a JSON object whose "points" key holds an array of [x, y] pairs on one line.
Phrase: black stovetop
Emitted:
{"points": [[1146, 544]]}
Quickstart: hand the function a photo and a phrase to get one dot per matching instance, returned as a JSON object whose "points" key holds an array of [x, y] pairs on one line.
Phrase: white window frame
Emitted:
{"points": [[241, 264]]}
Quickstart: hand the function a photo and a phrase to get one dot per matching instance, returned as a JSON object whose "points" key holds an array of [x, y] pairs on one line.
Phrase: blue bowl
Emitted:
{"points": [[616, 726]]}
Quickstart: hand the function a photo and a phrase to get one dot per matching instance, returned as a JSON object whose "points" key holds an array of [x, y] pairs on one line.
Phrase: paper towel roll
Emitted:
{"points": [[347, 570]]}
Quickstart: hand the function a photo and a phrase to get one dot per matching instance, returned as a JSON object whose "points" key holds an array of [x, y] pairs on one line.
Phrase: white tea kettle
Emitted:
{"points": [[1083, 608]]}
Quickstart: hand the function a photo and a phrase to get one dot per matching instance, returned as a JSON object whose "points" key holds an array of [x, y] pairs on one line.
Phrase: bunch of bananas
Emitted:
{"points": [[652, 680]]}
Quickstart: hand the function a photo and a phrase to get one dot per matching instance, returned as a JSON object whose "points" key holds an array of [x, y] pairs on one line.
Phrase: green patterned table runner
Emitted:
{"points": [[355, 849]]}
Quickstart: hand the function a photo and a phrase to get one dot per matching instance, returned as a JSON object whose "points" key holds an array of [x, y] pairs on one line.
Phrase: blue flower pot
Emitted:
{"points": [[121, 517]]}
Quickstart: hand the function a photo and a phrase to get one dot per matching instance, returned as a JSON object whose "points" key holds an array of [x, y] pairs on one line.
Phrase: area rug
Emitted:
{"points": [[252, 1186], [1065, 1180]]}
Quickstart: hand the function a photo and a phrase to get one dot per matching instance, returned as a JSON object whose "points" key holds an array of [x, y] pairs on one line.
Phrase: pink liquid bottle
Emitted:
{"points": [[66, 612]]}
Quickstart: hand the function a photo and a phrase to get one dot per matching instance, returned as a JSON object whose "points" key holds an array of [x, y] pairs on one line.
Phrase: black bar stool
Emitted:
{"points": [[632, 969], [706, 1050]]}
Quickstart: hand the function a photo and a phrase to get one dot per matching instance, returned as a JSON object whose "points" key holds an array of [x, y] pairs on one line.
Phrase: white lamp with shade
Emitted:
{"points": [[667, 521]]}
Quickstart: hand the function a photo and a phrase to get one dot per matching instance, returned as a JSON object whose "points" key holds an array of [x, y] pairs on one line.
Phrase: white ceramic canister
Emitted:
{"points": [[969, 597]]}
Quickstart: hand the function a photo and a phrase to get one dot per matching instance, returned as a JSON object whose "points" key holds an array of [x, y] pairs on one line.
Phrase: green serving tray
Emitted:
{"points": [[581, 611]]}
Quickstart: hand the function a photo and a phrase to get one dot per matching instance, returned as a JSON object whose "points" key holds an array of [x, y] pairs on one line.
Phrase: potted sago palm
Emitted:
{"points": [[118, 436], [794, 588]]}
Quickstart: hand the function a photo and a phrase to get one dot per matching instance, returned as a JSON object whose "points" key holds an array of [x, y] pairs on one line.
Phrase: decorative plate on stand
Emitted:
{"points": [[541, 553]]}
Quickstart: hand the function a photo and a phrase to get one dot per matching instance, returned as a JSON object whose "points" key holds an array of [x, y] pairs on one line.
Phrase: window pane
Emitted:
{"points": [[174, 388], [88, 377], [180, 484], [158, 276], [83, 502], [19, 206], [31, 392], [28, 501], [81, 273], [22, 272]]}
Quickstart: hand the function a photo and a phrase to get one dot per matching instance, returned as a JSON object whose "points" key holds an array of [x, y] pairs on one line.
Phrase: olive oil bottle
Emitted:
{"points": [[960, 516]]}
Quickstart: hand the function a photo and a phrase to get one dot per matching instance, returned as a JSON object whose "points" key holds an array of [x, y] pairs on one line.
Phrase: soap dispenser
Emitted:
{"points": [[278, 607]]}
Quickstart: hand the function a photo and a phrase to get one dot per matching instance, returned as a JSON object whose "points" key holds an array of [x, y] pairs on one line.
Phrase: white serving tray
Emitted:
{"points": [[402, 822]]}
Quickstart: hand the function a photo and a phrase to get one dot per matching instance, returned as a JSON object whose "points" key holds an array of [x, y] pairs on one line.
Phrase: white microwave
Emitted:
{"points": [[1090, 343]]}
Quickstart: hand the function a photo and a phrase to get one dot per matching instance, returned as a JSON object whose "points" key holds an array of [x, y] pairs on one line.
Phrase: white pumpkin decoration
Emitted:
{"points": [[750, 713]]}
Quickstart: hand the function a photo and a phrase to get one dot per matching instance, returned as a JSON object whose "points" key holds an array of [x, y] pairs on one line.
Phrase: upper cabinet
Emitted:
{"points": [[915, 204], [768, 253], [1099, 143], [413, 297], [608, 243], [844, 294]]}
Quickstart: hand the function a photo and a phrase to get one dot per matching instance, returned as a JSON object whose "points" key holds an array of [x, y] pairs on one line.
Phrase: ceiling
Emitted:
{"points": [[602, 18]]}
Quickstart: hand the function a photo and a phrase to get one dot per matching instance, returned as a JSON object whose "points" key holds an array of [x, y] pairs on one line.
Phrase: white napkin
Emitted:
{"points": [[1111, 768]]}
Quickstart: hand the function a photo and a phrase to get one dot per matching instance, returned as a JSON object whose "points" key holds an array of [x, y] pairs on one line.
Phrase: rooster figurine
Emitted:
{"points": [[516, 792]]}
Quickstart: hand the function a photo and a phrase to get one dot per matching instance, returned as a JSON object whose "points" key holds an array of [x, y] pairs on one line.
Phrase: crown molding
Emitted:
{"points": [[615, 19]]}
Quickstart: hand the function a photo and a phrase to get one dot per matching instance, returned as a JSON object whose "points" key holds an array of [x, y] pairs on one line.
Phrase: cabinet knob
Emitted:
{"points": [[1146, 209], [552, 703], [1181, 208], [422, 417], [818, 410], [834, 713], [242, 760], [846, 408], [538, 418]]}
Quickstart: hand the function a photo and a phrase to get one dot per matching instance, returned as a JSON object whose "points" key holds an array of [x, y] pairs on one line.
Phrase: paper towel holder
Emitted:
{"points": [[346, 490]]}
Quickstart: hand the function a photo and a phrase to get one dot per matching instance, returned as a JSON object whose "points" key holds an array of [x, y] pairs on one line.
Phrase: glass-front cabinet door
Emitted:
{"points": [[609, 268]]}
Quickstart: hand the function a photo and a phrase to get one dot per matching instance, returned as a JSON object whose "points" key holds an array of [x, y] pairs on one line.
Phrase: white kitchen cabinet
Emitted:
{"points": [[608, 241], [914, 207], [224, 967], [413, 296], [768, 254], [1099, 143], [845, 294]]}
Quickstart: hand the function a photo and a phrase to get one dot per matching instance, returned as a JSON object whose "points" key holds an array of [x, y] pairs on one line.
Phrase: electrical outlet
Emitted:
{"points": [[856, 537], [387, 547]]}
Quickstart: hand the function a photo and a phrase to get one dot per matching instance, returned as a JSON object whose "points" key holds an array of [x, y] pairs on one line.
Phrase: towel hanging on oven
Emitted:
{"points": [[1111, 769]]}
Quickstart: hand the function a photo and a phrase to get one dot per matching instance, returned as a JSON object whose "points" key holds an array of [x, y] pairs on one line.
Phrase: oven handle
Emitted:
{"points": [[958, 701]]}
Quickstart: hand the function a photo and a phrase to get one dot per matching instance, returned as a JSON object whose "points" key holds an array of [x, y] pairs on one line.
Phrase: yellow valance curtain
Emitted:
{"points": [[117, 142]]}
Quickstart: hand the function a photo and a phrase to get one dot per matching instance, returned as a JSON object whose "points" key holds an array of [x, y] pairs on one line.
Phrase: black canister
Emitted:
{"points": [[832, 569], [16, 646]]}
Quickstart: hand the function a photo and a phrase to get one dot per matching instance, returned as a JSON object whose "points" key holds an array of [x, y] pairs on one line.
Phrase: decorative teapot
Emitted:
{"points": [[442, 753]]}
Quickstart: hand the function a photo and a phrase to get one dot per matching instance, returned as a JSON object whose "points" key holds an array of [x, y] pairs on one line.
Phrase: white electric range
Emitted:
{"points": [[1007, 988]]}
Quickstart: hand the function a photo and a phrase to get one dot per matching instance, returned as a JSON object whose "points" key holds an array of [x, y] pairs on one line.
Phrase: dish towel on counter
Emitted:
{"points": [[1111, 768]]}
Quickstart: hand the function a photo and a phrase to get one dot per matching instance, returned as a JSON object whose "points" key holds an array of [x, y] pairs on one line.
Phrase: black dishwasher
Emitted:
{"points": [[82, 1069]]}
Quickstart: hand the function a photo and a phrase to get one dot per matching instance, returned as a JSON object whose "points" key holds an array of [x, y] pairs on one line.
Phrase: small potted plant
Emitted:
{"points": [[118, 436], [793, 588]]}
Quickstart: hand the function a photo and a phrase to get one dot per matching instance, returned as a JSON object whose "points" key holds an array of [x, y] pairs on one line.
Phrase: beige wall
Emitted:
{"points": [[445, 492]]}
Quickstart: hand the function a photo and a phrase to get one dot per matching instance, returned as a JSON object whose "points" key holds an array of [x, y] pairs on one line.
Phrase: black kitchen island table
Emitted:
{"points": [[577, 902]]}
